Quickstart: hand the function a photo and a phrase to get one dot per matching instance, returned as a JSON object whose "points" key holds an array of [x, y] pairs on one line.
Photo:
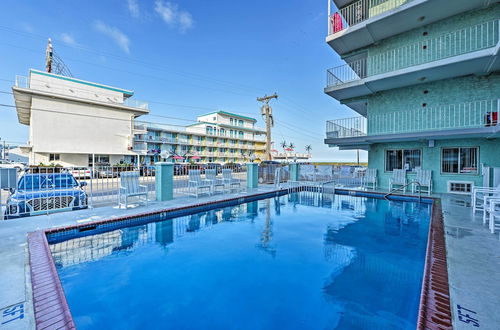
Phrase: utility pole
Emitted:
{"points": [[267, 113]]}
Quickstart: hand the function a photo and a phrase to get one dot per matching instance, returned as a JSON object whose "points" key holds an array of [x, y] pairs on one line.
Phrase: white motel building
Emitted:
{"points": [[73, 122]]}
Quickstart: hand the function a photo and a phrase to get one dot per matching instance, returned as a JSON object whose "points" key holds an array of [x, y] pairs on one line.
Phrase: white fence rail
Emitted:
{"points": [[346, 127], [475, 114], [181, 177], [45, 189], [459, 42], [358, 12]]}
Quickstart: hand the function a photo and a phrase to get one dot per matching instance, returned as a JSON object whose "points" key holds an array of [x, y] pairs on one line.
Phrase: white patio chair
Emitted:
{"points": [[398, 179], [211, 176], [130, 187], [479, 195], [197, 184], [229, 181], [424, 178], [494, 214], [370, 178]]}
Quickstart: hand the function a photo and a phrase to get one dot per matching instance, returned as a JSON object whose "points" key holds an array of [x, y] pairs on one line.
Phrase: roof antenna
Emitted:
{"points": [[55, 64], [49, 56]]}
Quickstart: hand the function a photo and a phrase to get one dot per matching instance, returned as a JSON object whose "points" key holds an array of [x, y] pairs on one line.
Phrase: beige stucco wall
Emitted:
{"points": [[77, 127]]}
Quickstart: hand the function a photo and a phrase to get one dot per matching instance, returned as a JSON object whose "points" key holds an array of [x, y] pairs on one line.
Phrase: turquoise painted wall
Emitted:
{"points": [[433, 30], [489, 155], [468, 97]]}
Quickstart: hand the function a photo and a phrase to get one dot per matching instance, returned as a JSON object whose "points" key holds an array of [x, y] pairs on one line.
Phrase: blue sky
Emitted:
{"points": [[184, 57]]}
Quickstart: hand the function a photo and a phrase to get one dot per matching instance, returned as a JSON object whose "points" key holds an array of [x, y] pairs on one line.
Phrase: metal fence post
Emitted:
{"points": [[252, 175], [164, 181]]}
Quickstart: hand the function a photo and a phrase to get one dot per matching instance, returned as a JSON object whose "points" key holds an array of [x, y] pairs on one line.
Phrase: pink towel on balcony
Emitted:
{"points": [[336, 22]]}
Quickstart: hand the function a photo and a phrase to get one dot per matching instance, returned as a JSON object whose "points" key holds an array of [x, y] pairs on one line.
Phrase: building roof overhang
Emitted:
{"points": [[23, 100]]}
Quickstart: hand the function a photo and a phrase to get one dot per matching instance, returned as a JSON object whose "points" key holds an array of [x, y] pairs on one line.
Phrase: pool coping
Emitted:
{"points": [[51, 308]]}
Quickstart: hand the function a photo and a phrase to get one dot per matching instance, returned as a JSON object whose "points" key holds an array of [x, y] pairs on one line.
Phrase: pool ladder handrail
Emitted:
{"points": [[406, 185]]}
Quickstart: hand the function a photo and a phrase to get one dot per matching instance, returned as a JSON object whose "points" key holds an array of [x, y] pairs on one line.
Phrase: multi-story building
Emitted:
{"points": [[218, 136], [73, 122], [423, 76]]}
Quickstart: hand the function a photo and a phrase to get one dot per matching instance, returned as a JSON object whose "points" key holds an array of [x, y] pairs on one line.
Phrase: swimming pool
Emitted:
{"points": [[303, 260]]}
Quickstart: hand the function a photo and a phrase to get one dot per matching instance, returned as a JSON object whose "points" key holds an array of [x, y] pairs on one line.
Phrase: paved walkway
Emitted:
{"points": [[473, 266], [16, 306]]}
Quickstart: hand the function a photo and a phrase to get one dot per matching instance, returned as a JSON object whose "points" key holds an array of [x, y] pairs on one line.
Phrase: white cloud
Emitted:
{"points": [[173, 16], [133, 8], [68, 39], [116, 35]]}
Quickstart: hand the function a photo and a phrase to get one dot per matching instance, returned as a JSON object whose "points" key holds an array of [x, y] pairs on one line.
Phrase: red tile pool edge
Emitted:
{"points": [[52, 310], [50, 306], [435, 308]]}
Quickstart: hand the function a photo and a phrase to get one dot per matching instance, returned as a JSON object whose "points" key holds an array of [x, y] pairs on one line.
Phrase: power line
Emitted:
{"points": [[136, 61]]}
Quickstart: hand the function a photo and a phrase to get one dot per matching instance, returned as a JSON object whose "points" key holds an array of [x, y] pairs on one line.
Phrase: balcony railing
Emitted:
{"points": [[358, 12], [475, 114], [463, 41], [346, 128], [136, 104]]}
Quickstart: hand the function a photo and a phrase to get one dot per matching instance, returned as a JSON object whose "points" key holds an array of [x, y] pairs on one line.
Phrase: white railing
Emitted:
{"points": [[136, 104], [22, 82], [358, 12], [181, 177], [346, 128], [463, 41], [48, 189], [352, 71], [474, 114]]}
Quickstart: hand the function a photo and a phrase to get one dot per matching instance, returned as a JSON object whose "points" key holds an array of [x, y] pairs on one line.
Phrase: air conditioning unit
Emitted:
{"points": [[460, 187]]}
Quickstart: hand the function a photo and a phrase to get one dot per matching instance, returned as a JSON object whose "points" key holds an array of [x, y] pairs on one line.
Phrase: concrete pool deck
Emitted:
{"points": [[473, 258]]}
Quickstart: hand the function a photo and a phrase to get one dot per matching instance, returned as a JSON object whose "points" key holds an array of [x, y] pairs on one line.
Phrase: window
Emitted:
{"points": [[459, 160], [231, 121], [54, 157], [99, 159], [240, 122], [402, 159]]}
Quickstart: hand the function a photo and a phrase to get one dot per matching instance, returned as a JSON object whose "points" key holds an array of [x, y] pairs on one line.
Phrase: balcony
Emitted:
{"points": [[472, 50], [462, 120], [365, 22]]}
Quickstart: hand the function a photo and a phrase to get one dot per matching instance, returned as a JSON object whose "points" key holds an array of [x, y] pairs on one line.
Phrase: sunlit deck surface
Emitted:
{"points": [[473, 255]]}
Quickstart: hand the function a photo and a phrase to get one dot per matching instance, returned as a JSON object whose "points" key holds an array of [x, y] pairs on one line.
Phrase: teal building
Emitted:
{"points": [[423, 77]]}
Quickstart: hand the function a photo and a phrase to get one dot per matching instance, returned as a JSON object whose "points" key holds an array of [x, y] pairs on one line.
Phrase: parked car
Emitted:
{"points": [[81, 173], [106, 172], [39, 193]]}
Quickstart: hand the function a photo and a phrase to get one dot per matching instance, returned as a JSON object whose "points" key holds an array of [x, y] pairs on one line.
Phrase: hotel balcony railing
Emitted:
{"points": [[463, 41], [358, 12], [346, 127], [475, 114], [136, 103]]}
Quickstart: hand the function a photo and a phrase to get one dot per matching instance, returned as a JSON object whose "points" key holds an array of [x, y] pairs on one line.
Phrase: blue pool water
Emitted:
{"points": [[299, 261]]}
